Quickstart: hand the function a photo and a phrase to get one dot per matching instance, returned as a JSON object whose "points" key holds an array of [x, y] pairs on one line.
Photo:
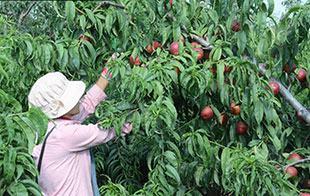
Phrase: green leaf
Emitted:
{"points": [[198, 175], [136, 122], [29, 48], [74, 58], [70, 11], [213, 15], [91, 50], [241, 41], [108, 22], [28, 132], [245, 7], [9, 164], [82, 22], [220, 74], [261, 48], [90, 15], [172, 172], [259, 111], [21, 190], [217, 54], [271, 7]]}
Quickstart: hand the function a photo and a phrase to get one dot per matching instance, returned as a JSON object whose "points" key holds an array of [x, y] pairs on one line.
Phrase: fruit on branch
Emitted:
{"points": [[287, 68], [292, 171], [234, 109], [207, 113], [304, 194], [134, 62], [224, 119], [200, 55], [302, 74], [235, 26], [154, 46], [85, 37], [241, 128], [174, 48], [274, 86], [294, 156]]}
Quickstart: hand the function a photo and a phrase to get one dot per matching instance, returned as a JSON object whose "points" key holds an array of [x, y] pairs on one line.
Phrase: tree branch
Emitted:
{"points": [[301, 111], [109, 3], [294, 163], [205, 43], [24, 14]]}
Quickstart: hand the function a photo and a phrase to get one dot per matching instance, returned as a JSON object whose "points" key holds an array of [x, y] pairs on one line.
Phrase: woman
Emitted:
{"points": [[66, 164]]}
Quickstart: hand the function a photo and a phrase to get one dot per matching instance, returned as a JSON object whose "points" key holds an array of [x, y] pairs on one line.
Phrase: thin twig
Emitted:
{"points": [[24, 14], [109, 3], [200, 40], [290, 84], [294, 163]]}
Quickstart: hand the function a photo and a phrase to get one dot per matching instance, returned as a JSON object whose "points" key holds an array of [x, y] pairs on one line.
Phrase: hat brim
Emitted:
{"points": [[70, 98]]}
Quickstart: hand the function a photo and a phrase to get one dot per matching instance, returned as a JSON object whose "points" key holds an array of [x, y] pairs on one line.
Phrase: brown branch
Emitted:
{"points": [[205, 43], [301, 110], [108, 3], [24, 14], [294, 163]]}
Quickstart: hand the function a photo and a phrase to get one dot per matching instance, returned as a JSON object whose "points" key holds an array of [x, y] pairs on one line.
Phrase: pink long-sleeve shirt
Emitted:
{"points": [[66, 165]]}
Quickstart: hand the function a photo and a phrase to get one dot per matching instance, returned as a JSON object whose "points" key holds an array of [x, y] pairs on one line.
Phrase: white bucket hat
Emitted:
{"points": [[55, 95]]}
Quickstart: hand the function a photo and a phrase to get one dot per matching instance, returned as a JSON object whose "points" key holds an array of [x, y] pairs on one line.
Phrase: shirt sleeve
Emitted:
{"points": [[88, 103], [82, 137]]}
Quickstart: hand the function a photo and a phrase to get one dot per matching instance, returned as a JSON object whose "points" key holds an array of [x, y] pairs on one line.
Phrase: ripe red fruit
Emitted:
{"points": [[234, 109], [302, 75], [274, 86], [134, 62], [241, 128], [235, 26], [287, 68], [291, 171], [224, 119], [149, 49], [155, 45], [199, 56], [304, 194], [171, 2], [85, 37], [174, 48], [294, 156], [207, 113]]}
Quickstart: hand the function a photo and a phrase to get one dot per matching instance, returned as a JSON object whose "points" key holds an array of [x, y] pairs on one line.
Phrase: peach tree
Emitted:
{"points": [[177, 58]]}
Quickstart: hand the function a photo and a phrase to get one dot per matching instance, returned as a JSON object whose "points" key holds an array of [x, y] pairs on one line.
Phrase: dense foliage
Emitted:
{"points": [[172, 150]]}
